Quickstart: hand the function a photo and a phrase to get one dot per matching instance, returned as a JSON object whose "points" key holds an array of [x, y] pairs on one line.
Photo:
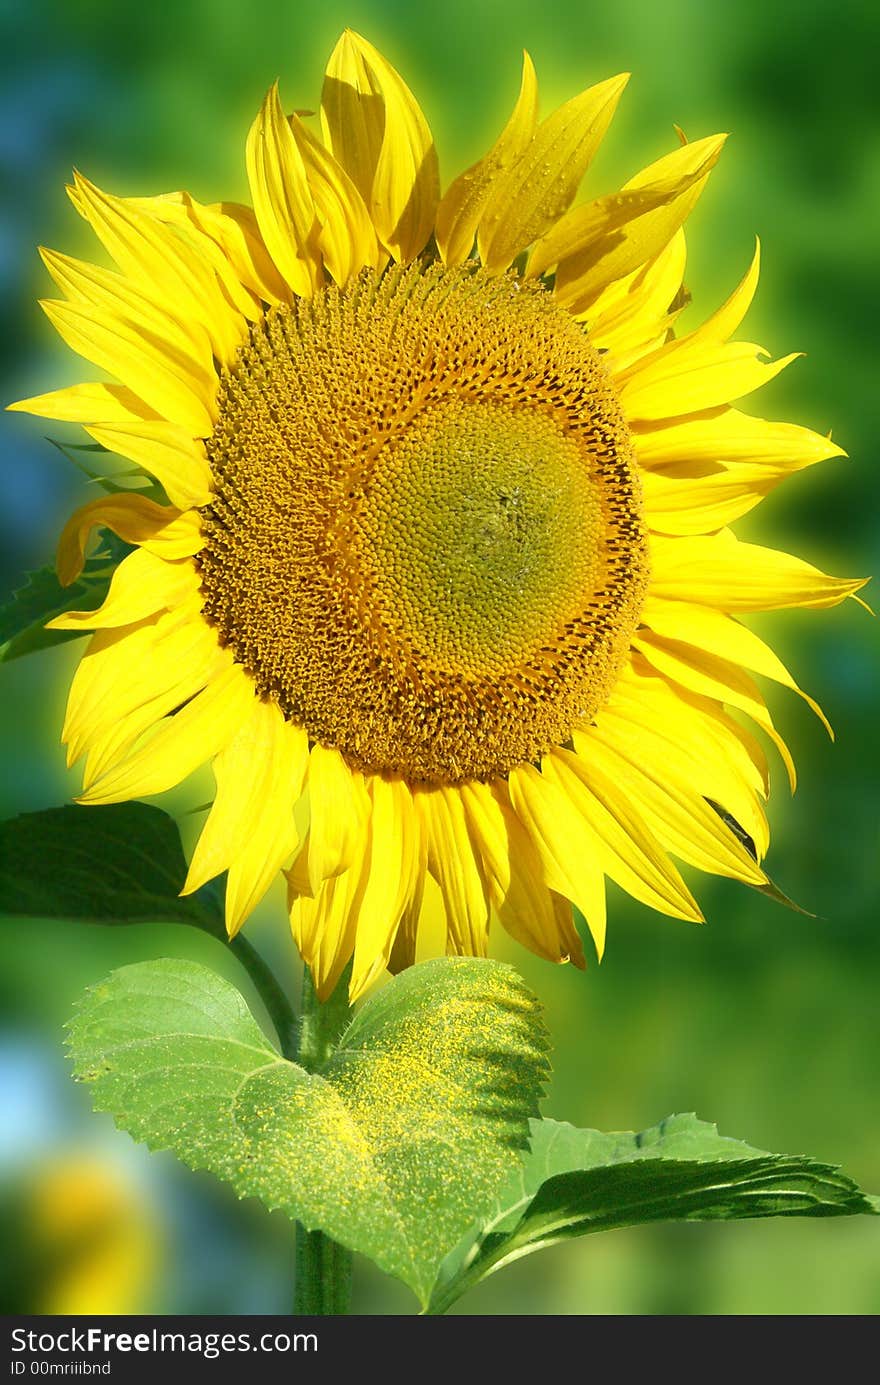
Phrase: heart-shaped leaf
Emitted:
{"points": [[397, 1145], [578, 1181]]}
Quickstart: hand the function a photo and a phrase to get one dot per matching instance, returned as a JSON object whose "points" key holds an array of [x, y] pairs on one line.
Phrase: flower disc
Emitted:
{"points": [[426, 541]]}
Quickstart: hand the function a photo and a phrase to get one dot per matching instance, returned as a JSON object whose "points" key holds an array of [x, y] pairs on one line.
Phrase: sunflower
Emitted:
{"points": [[438, 572]]}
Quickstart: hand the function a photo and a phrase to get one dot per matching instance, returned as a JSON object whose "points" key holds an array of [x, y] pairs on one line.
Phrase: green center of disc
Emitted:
{"points": [[483, 530]]}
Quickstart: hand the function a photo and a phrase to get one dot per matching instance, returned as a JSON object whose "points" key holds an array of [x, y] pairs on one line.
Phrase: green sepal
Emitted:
{"points": [[23, 617]]}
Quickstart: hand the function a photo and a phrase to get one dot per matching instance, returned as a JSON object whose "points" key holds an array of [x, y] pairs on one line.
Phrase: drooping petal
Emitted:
{"points": [[133, 518], [541, 184], [462, 205], [512, 870], [250, 830], [564, 843], [390, 880], [455, 867], [325, 928], [338, 811]]}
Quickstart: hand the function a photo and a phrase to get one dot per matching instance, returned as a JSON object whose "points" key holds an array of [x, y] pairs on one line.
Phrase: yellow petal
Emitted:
{"points": [[236, 230], [283, 201], [325, 928], [134, 308], [487, 827], [154, 367], [173, 663], [701, 370], [419, 919], [390, 880], [624, 845], [690, 740], [565, 845], [703, 500], [511, 868], [452, 863], [684, 382], [353, 113], [633, 313], [134, 518], [463, 203], [182, 743], [250, 830], [610, 237], [678, 816], [541, 184], [164, 450], [92, 403], [150, 254], [721, 635], [339, 808], [347, 239], [379, 135], [229, 235], [142, 585], [726, 435], [721, 571], [725, 321], [713, 677]]}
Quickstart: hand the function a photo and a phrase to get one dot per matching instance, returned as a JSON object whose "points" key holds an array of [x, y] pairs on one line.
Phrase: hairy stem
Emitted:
{"points": [[323, 1268], [270, 992]]}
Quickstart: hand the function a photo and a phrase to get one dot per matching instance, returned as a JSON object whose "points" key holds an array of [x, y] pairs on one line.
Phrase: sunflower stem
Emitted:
{"points": [[323, 1267], [266, 983]]}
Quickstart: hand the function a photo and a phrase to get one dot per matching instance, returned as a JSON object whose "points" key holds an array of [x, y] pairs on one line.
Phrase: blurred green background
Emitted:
{"points": [[764, 1021]]}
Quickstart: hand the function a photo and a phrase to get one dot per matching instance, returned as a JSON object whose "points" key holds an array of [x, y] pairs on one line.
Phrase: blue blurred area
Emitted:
{"points": [[764, 1021]]}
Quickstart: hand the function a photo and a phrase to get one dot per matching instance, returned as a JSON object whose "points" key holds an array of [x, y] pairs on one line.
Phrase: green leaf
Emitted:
{"points": [[23, 617], [393, 1147], [121, 863], [575, 1182]]}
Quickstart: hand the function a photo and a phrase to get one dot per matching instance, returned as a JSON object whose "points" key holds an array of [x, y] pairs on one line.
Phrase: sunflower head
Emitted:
{"points": [[442, 582]]}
